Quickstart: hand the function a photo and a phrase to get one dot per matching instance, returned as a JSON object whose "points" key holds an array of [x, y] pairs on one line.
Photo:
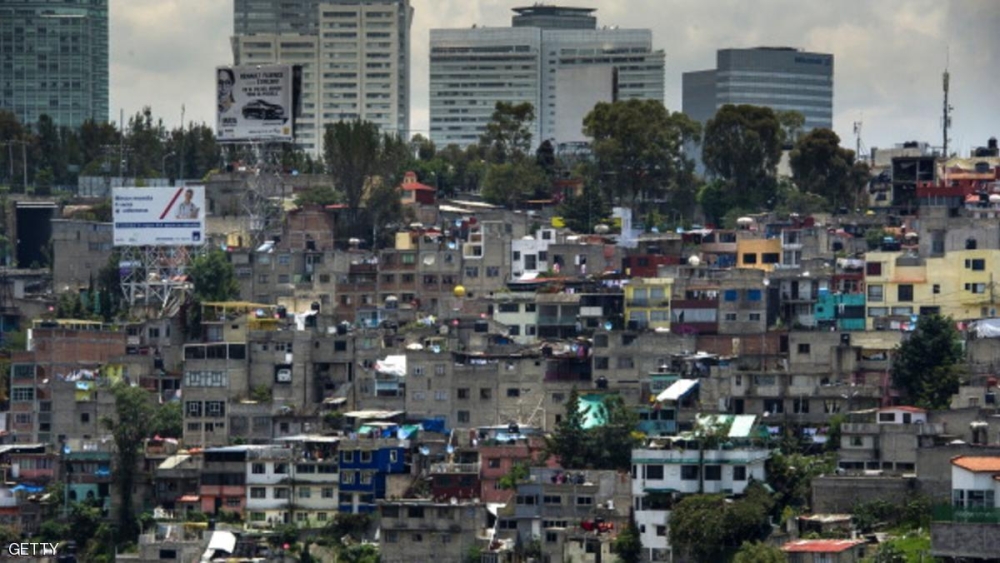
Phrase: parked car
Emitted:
{"points": [[259, 109]]}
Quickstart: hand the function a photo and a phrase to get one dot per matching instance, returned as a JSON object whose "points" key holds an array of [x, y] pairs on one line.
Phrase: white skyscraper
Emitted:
{"points": [[355, 57], [553, 57]]}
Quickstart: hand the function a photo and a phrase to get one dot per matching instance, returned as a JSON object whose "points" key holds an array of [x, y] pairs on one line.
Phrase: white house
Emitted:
{"points": [[519, 313], [974, 482], [670, 467], [530, 255]]}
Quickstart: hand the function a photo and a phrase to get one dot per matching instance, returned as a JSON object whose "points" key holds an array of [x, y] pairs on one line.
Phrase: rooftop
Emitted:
{"points": [[820, 546], [977, 464]]}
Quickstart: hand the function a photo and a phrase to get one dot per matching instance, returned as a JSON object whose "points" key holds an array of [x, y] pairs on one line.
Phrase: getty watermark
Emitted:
{"points": [[30, 549]]}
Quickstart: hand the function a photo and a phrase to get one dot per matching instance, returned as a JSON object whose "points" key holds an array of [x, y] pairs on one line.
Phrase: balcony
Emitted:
{"points": [[958, 514], [548, 320], [455, 468]]}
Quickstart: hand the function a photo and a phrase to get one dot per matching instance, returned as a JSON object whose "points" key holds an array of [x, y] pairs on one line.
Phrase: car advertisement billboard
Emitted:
{"points": [[158, 216], [254, 102]]}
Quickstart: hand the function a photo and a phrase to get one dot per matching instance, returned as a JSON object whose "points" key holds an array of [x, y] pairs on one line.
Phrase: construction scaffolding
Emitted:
{"points": [[155, 278]]}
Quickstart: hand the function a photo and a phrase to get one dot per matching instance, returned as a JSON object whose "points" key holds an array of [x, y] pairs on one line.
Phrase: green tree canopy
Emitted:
{"points": [[742, 147], [628, 545], [512, 182], [214, 277], [131, 425], [821, 166], [710, 528], [581, 213], [638, 145], [508, 133], [759, 552], [926, 367], [357, 154], [605, 446]]}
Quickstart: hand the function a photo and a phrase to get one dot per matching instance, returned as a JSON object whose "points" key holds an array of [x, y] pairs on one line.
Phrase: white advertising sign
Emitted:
{"points": [[159, 216], [254, 102]]}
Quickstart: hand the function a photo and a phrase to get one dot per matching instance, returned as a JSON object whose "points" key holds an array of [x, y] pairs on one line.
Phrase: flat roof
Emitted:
{"points": [[820, 546]]}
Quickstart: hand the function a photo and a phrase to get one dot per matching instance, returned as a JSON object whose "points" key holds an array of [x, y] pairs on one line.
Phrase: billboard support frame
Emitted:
{"points": [[155, 276]]}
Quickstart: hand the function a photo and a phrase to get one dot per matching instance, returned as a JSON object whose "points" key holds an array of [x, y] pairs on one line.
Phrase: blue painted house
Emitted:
{"points": [[366, 465], [845, 311]]}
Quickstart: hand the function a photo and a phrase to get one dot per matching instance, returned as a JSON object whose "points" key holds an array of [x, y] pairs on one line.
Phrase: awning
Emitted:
{"points": [[677, 390], [221, 541]]}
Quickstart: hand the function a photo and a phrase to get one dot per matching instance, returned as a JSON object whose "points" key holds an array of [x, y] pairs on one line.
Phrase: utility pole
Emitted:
{"points": [[180, 175]]}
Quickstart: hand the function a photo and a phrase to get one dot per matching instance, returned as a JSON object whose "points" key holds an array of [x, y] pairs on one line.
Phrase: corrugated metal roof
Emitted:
{"points": [[677, 390]]}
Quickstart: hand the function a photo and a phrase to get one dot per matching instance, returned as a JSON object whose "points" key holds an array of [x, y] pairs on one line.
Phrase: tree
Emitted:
{"points": [[792, 123], [926, 366], [569, 441], [357, 154], [711, 528], [425, 147], [581, 213], [628, 544], [742, 146], [214, 277], [611, 444], [638, 145], [168, 420], [759, 552], [508, 133], [820, 166], [321, 195], [510, 183], [133, 421], [791, 475]]}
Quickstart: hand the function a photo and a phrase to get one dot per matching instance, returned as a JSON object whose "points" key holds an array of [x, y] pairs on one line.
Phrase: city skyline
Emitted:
{"points": [[890, 55]]}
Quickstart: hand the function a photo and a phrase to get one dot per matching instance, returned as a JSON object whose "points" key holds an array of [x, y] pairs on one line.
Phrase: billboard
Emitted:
{"points": [[158, 216], [254, 102]]}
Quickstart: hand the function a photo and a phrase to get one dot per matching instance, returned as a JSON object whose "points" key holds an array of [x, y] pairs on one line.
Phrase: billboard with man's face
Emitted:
{"points": [[159, 216], [254, 103]]}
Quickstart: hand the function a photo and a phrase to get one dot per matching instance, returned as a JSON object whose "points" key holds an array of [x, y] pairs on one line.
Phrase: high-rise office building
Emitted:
{"points": [[54, 60], [781, 78], [355, 58], [555, 58]]}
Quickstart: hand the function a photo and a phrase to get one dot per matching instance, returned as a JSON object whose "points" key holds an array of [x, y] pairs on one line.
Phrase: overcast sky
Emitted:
{"points": [[889, 54]]}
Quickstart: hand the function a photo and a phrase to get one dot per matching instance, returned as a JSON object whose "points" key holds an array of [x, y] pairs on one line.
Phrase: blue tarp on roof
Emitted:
{"points": [[29, 489]]}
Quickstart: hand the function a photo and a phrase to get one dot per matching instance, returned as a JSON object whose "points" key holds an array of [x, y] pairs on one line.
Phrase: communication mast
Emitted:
{"points": [[946, 113], [263, 196]]}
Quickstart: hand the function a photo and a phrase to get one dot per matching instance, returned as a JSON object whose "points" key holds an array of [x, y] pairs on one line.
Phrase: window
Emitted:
{"points": [[348, 456], [749, 259], [689, 472], [551, 537], [600, 362], [584, 501], [936, 289], [463, 416], [513, 392], [21, 394], [463, 393], [258, 492], [874, 293], [472, 272], [800, 406], [654, 472], [193, 408], [529, 500], [976, 264], [282, 493], [905, 292], [753, 317], [85, 418], [305, 492], [857, 441], [803, 348], [257, 469], [739, 473], [625, 362], [661, 531], [326, 492], [552, 499], [731, 295], [713, 472], [393, 456], [485, 394], [770, 258], [878, 311], [168, 554], [730, 317], [391, 537], [873, 268], [754, 294], [366, 456], [281, 468], [493, 463], [417, 538], [887, 417], [347, 477]]}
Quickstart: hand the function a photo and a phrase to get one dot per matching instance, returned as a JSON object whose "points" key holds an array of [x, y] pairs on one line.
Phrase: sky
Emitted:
{"points": [[889, 55]]}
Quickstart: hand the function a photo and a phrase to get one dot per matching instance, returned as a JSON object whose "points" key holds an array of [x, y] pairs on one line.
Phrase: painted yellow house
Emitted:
{"points": [[758, 253], [647, 303], [959, 284]]}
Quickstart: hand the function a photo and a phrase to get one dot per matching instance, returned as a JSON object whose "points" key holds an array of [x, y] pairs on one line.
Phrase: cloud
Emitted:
{"points": [[889, 54]]}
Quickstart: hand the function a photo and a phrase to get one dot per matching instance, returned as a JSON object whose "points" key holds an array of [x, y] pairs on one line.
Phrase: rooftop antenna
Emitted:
{"points": [[857, 138], [946, 113]]}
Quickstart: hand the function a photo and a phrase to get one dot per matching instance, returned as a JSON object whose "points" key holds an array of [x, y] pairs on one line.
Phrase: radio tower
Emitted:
{"points": [[946, 114]]}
